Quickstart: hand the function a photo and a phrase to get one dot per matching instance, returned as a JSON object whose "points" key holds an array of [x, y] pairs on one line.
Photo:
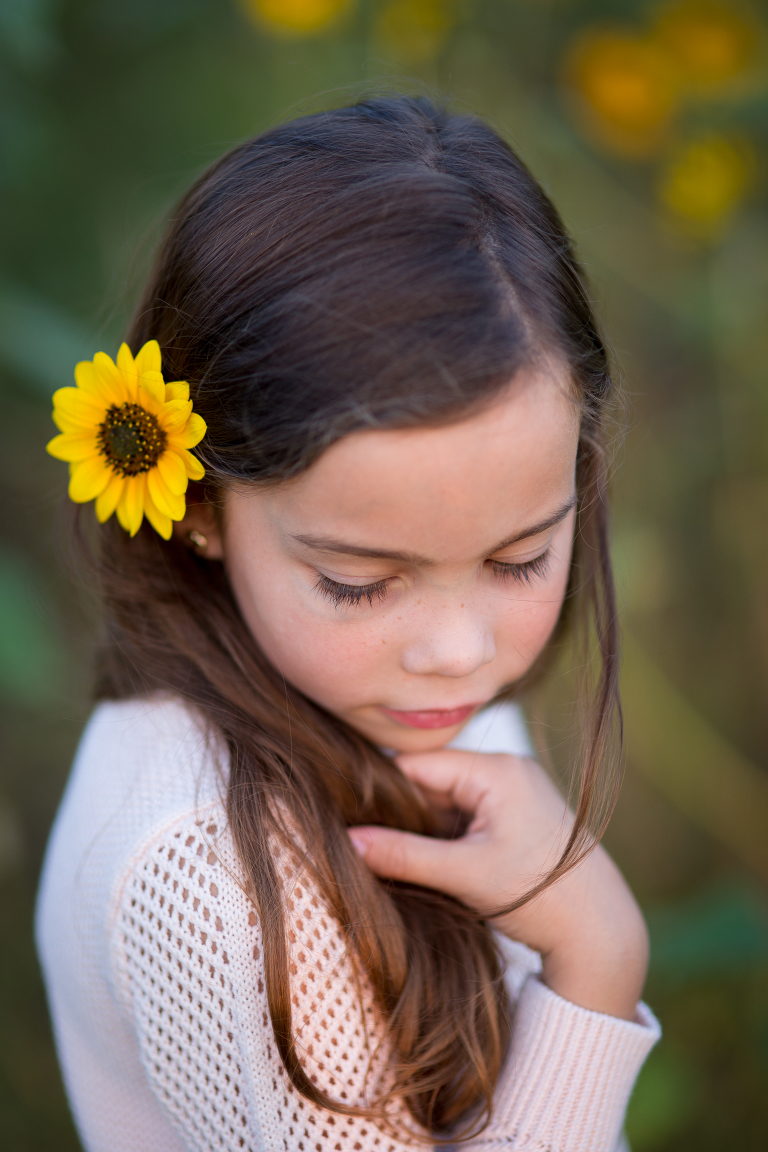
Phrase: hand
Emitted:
{"points": [[587, 925]]}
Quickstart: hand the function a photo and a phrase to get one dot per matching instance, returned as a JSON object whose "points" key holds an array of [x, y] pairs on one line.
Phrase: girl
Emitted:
{"points": [[307, 889]]}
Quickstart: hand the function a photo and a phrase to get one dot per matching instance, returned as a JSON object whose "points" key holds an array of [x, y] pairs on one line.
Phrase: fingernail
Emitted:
{"points": [[360, 842]]}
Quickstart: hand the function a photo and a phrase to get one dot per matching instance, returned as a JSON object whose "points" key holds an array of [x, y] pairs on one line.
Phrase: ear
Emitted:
{"points": [[200, 530]]}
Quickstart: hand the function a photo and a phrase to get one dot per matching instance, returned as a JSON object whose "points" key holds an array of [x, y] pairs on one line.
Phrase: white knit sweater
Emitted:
{"points": [[152, 957]]}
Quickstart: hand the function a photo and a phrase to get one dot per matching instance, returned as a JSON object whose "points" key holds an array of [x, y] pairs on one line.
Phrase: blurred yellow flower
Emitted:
{"points": [[415, 29], [710, 43], [706, 180], [625, 88], [297, 17], [126, 435]]}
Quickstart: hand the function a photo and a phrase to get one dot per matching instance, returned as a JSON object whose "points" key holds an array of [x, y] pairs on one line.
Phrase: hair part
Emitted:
{"points": [[384, 265]]}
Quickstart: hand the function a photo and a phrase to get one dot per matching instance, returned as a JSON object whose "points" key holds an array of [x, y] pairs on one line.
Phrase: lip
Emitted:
{"points": [[432, 717]]}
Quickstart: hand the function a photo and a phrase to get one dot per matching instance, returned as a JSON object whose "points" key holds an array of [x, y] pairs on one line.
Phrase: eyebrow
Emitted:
{"points": [[341, 547]]}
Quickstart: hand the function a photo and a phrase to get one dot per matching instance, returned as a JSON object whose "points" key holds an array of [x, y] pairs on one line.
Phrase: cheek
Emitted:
{"points": [[321, 656], [526, 629], [332, 665], [530, 616]]}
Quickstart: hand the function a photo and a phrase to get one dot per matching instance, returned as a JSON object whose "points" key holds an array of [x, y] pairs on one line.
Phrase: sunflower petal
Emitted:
{"points": [[148, 358], [106, 501], [73, 447], [151, 383], [79, 407], [173, 473], [130, 506], [190, 435], [116, 383], [177, 390], [88, 381], [174, 414], [164, 500], [128, 371], [125, 360], [89, 479], [194, 468], [65, 423], [162, 524], [120, 513]]}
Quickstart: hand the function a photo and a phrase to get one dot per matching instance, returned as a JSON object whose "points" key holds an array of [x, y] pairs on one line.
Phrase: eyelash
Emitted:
{"points": [[523, 572], [352, 594]]}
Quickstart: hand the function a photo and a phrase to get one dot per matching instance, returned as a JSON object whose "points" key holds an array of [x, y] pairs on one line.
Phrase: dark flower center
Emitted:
{"points": [[130, 439]]}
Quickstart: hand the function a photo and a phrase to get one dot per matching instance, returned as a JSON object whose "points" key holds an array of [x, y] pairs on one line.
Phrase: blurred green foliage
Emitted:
{"points": [[647, 124], [31, 659]]}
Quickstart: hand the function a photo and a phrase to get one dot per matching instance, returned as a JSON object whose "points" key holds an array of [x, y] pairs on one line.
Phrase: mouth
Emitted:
{"points": [[432, 717]]}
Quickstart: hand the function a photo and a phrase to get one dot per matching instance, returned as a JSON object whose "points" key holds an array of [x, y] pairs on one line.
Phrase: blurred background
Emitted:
{"points": [[648, 125]]}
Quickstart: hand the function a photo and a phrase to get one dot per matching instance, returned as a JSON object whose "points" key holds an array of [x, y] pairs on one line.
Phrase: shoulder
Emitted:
{"points": [[145, 731], [143, 760], [141, 764]]}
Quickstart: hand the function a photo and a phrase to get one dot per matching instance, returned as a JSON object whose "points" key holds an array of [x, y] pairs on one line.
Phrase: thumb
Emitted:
{"points": [[406, 856]]}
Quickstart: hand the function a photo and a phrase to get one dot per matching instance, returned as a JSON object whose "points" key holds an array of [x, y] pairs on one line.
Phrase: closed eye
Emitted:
{"points": [[525, 573], [351, 594]]}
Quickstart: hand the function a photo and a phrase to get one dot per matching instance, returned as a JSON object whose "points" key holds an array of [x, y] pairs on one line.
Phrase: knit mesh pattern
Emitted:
{"points": [[152, 956], [188, 993], [187, 953]]}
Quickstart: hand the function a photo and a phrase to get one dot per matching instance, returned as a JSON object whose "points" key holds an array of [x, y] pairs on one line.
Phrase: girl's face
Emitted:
{"points": [[408, 576]]}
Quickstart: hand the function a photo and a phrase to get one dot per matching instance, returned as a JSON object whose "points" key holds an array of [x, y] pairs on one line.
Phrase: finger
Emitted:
{"points": [[462, 777], [438, 801], [406, 856]]}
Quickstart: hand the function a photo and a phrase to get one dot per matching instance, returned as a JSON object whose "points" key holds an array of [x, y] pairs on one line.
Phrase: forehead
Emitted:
{"points": [[444, 491]]}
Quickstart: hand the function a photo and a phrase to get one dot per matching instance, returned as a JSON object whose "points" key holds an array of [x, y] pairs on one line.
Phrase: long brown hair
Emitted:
{"points": [[379, 266]]}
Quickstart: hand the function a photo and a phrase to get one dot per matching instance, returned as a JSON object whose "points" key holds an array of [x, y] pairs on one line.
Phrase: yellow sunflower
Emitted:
{"points": [[126, 435]]}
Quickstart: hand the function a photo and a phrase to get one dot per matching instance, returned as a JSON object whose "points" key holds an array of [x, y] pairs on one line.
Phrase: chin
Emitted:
{"points": [[420, 739]]}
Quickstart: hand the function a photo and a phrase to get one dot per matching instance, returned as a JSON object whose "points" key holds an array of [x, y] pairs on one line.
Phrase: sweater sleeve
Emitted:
{"points": [[188, 972], [187, 969], [568, 1076]]}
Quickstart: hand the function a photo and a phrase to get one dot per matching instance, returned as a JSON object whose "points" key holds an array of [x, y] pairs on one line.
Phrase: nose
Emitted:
{"points": [[449, 642]]}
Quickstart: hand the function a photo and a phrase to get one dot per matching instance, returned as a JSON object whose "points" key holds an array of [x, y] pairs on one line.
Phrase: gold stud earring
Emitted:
{"points": [[198, 539]]}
